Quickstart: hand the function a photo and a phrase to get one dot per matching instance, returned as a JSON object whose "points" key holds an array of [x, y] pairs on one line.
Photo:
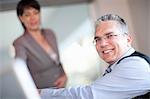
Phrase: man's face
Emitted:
{"points": [[111, 43], [31, 19]]}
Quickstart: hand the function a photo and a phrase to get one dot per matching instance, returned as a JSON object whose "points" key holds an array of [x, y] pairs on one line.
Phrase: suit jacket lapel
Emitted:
{"points": [[37, 50], [51, 41]]}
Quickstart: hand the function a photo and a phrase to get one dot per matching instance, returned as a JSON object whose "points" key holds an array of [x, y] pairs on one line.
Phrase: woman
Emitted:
{"points": [[38, 47]]}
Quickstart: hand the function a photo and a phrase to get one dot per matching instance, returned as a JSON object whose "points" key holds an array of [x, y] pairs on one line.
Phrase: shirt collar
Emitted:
{"points": [[127, 53]]}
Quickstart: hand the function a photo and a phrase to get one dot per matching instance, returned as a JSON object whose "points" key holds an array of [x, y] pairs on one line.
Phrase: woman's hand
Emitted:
{"points": [[61, 81]]}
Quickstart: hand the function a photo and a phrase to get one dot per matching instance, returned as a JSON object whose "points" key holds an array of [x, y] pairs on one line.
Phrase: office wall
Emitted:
{"points": [[140, 14]]}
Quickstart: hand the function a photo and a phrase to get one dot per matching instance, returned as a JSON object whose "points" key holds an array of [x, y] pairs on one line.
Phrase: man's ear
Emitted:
{"points": [[129, 38]]}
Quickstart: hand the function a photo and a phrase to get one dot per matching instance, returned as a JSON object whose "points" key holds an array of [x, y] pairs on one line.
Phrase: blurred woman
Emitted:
{"points": [[38, 47]]}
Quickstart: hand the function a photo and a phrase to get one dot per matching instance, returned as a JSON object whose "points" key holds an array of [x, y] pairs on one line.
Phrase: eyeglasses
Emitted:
{"points": [[98, 40]]}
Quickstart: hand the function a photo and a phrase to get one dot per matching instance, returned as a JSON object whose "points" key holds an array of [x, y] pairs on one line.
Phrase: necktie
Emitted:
{"points": [[108, 70]]}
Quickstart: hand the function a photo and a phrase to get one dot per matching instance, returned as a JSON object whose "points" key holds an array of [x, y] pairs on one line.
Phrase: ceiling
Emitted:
{"points": [[11, 4]]}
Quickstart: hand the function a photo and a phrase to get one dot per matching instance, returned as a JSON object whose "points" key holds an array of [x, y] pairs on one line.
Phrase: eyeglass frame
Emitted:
{"points": [[108, 36]]}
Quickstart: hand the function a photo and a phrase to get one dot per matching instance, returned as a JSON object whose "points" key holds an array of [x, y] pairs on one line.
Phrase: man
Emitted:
{"points": [[125, 78]]}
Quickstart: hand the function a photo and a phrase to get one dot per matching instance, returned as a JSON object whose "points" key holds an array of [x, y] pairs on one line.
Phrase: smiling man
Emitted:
{"points": [[128, 74], [112, 39]]}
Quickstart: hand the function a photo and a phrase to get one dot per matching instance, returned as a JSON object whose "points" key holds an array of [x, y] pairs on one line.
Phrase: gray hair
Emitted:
{"points": [[113, 17]]}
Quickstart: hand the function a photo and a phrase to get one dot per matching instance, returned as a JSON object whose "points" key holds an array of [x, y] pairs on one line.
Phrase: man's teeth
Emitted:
{"points": [[105, 52]]}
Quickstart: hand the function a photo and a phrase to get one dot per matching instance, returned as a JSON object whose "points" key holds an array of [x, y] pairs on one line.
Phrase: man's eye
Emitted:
{"points": [[109, 36], [97, 39]]}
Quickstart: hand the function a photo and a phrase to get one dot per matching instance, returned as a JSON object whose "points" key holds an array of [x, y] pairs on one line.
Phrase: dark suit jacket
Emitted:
{"points": [[42, 68]]}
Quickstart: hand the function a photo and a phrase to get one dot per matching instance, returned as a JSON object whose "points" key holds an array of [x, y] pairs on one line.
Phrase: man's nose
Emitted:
{"points": [[103, 42]]}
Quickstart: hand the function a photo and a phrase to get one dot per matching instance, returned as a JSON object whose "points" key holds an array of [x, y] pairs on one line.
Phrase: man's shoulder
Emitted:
{"points": [[136, 56]]}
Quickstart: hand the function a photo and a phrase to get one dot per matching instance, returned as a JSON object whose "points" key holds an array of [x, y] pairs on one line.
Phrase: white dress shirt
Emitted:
{"points": [[129, 78]]}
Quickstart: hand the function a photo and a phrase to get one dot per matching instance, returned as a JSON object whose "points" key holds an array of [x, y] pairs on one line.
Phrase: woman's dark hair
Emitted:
{"points": [[26, 4]]}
